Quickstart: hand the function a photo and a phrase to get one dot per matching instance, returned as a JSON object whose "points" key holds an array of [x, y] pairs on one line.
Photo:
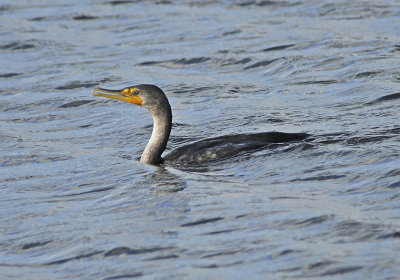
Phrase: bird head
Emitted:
{"points": [[148, 96]]}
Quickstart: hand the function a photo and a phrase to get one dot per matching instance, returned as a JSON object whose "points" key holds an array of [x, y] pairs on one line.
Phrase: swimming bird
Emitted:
{"points": [[155, 101]]}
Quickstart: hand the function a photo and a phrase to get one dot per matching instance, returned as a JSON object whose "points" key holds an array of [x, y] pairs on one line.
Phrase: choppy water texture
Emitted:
{"points": [[76, 203]]}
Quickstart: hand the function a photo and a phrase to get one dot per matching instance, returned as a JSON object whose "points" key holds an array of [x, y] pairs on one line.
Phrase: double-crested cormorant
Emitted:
{"points": [[153, 99]]}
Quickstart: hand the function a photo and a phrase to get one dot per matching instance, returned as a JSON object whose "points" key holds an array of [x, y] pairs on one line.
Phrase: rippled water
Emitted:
{"points": [[76, 203]]}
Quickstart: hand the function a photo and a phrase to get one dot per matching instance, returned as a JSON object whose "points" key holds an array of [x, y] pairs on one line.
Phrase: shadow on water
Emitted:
{"points": [[117, 251], [385, 98], [165, 181]]}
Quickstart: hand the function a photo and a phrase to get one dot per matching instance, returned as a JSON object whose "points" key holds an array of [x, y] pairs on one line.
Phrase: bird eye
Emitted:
{"points": [[130, 91]]}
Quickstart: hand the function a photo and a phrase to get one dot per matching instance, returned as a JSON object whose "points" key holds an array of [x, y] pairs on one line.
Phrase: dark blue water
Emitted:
{"points": [[75, 203]]}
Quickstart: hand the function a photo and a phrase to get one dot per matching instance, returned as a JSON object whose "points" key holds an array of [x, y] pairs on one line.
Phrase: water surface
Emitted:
{"points": [[76, 203]]}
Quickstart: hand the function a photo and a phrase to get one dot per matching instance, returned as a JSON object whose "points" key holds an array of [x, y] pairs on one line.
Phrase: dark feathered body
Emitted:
{"points": [[227, 146]]}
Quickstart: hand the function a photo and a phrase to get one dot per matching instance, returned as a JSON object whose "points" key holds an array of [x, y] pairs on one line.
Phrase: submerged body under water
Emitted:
{"points": [[77, 203]]}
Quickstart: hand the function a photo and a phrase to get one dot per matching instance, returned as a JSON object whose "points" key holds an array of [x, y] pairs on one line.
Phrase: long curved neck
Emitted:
{"points": [[162, 122]]}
